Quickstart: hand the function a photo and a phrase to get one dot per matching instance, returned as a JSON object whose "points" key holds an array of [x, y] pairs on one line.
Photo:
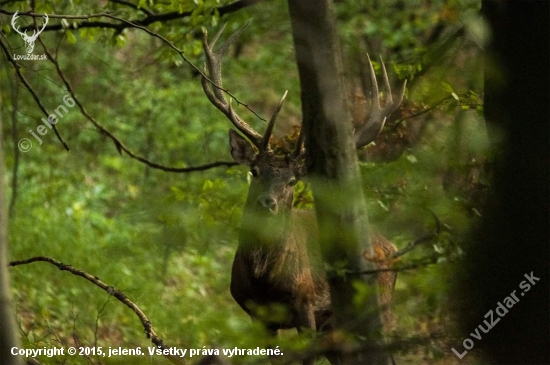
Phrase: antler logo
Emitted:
{"points": [[29, 40]]}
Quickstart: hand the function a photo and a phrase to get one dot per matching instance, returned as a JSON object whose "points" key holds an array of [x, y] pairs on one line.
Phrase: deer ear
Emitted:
{"points": [[241, 150]]}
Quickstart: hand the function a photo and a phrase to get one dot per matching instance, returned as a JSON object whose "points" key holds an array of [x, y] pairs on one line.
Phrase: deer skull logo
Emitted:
{"points": [[29, 40]]}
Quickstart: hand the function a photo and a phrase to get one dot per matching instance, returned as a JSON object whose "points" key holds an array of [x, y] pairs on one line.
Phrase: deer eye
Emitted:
{"points": [[254, 172], [292, 182]]}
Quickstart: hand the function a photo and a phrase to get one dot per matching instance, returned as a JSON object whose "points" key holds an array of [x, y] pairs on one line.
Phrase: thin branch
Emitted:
{"points": [[118, 144], [151, 18], [6, 2], [14, 93], [74, 334], [186, 60], [146, 323], [31, 90], [53, 16], [412, 245], [52, 332], [134, 6], [424, 111], [97, 318], [428, 262], [332, 342], [141, 24]]}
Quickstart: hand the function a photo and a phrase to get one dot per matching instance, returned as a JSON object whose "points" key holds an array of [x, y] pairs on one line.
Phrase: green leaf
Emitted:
{"points": [[448, 88], [120, 40], [384, 206], [208, 185], [178, 193], [412, 158], [70, 37]]}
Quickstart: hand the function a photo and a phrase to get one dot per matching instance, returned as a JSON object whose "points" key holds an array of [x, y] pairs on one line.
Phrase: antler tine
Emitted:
{"points": [[13, 25], [299, 143], [389, 104], [217, 36], [377, 118], [36, 33], [232, 38], [386, 83], [213, 64], [45, 23], [242, 126], [269, 130], [207, 88], [215, 93]]}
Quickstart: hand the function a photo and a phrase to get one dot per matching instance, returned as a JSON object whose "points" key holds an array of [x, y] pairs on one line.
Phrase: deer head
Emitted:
{"points": [[29, 40], [273, 176]]}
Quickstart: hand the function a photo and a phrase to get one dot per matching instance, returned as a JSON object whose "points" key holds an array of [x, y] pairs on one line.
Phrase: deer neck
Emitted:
{"points": [[269, 246], [262, 231]]}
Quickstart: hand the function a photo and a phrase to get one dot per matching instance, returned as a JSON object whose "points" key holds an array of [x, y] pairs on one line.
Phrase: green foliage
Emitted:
{"points": [[167, 240]]}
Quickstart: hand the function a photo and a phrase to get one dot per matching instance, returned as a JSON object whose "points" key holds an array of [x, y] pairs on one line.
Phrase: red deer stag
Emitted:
{"points": [[277, 260]]}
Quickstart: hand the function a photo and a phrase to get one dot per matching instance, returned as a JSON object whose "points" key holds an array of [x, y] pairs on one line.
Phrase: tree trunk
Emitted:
{"points": [[331, 161], [8, 332]]}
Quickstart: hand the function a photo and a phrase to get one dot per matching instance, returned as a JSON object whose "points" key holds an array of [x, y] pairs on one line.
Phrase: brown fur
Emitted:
{"points": [[278, 261]]}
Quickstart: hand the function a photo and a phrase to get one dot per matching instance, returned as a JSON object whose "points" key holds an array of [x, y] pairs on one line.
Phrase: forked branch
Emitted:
{"points": [[31, 90], [146, 323], [121, 147]]}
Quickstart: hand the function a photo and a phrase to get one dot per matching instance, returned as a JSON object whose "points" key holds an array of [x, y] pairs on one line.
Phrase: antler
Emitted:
{"points": [[215, 93], [34, 36], [375, 122], [298, 149], [16, 28]]}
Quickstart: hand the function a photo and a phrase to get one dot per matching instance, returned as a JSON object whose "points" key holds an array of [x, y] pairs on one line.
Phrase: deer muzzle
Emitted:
{"points": [[267, 203]]}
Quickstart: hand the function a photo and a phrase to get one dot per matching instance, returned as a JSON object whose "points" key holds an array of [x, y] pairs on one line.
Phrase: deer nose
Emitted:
{"points": [[267, 202]]}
